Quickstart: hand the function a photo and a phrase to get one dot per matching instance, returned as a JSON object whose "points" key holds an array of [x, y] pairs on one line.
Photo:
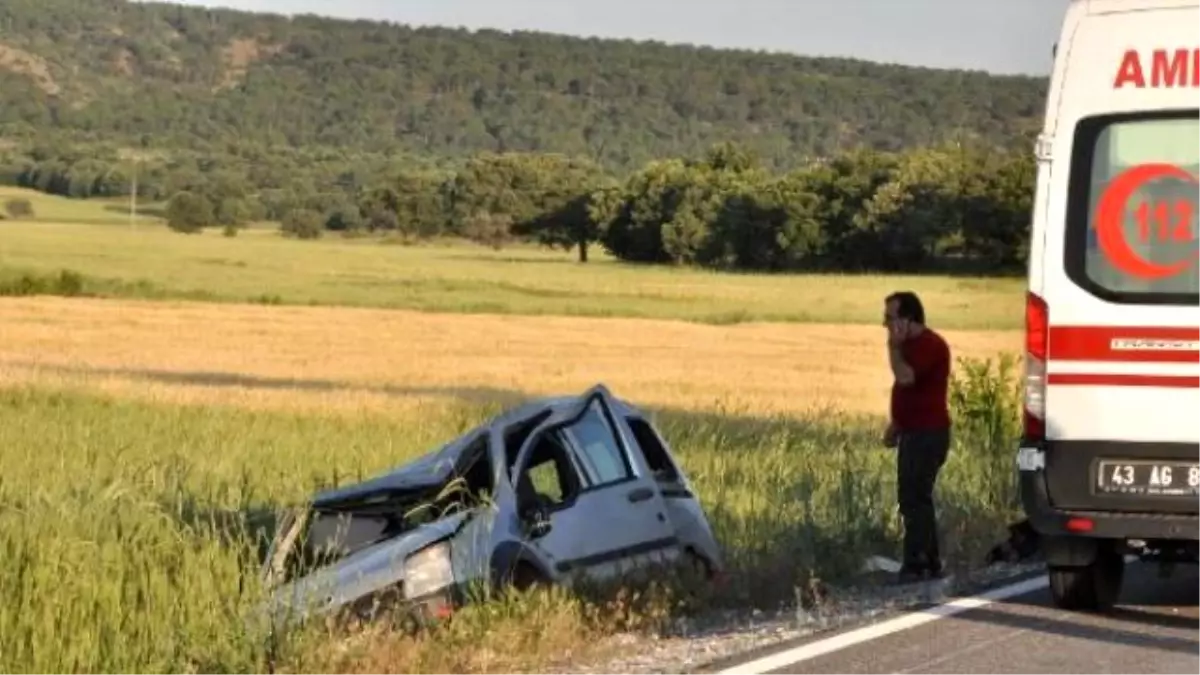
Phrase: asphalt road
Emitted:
{"points": [[1154, 629]]}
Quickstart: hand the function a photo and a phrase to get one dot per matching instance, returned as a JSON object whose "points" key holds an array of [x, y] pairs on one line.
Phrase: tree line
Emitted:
{"points": [[962, 205], [729, 159]]}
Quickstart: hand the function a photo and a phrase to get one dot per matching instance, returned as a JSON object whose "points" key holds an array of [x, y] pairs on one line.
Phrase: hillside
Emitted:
{"points": [[169, 76]]}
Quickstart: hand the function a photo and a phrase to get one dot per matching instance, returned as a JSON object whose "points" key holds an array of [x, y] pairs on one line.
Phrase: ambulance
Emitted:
{"points": [[1108, 462]]}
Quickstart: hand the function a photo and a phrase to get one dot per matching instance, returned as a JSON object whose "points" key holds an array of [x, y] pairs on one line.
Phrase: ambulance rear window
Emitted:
{"points": [[1132, 213]]}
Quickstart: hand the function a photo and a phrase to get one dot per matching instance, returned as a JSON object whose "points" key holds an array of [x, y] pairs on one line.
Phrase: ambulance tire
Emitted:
{"points": [[1094, 587]]}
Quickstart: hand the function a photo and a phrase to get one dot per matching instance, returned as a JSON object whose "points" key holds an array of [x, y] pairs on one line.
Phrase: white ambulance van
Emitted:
{"points": [[1108, 465]]}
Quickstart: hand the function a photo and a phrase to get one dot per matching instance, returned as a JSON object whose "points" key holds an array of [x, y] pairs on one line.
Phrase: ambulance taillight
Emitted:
{"points": [[1037, 342]]}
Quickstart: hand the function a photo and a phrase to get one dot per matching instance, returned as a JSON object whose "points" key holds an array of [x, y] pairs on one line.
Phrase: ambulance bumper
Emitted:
{"points": [[1145, 520]]}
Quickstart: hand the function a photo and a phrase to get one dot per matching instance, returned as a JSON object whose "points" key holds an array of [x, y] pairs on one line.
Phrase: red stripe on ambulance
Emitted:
{"points": [[1124, 380], [1129, 344]]}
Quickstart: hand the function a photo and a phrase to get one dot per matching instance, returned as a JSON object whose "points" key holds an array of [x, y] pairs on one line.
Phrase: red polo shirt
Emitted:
{"points": [[922, 406]]}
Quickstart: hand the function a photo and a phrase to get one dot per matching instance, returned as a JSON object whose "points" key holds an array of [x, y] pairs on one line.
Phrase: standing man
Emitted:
{"points": [[919, 427]]}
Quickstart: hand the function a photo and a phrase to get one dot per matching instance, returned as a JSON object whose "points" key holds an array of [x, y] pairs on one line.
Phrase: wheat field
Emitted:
{"points": [[356, 359]]}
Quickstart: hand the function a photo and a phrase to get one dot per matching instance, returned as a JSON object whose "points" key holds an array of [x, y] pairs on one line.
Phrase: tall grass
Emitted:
{"points": [[802, 501], [130, 532], [69, 283]]}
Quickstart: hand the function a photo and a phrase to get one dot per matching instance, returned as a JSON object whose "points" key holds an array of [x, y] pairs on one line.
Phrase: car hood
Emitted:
{"points": [[372, 569]]}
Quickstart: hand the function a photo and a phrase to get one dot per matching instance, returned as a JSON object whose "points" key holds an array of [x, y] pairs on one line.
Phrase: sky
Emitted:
{"points": [[999, 36]]}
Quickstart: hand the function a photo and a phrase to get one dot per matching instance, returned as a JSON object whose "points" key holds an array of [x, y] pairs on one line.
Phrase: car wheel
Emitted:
{"points": [[525, 578], [697, 565], [1093, 587]]}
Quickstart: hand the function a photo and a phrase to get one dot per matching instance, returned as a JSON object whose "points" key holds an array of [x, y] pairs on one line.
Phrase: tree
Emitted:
{"points": [[562, 204], [997, 211], [302, 224], [489, 229], [421, 203], [189, 213], [769, 226], [344, 218], [843, 186], [232, 212], [331, 86], [912, 214]]}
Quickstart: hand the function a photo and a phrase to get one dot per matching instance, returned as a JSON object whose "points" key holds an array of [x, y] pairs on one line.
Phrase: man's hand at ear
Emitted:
{"points": [[897, 333], [898, 330]]}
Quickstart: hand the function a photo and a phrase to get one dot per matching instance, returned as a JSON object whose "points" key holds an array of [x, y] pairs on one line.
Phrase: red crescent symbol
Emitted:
{"points": [[1110, 216]]}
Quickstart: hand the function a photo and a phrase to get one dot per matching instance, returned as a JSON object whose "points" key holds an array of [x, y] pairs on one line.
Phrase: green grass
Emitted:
{"points": [[99, 211], [113, 562], [260, 266]]}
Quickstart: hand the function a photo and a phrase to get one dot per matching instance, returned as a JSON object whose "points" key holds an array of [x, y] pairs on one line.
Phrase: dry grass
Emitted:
{"points": [[356, 359], [507, 636]]}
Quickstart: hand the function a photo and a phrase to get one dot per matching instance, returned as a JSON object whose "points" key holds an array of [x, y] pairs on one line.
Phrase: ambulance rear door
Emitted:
{"points": [[1119, 274]]}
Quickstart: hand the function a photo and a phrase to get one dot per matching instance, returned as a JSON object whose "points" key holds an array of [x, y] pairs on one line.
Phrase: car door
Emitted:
{"points": [[614, 519]]}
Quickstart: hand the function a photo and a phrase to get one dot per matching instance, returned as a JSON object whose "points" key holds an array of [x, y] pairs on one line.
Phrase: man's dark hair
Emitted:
{"points": [[908, 306]]}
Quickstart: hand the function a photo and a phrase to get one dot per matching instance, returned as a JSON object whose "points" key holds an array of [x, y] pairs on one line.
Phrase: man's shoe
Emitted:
{"points": [[910, 574], [936, 570]]}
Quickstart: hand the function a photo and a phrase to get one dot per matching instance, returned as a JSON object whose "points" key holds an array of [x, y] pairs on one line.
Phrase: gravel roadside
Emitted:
{"points": [[695, 642]]}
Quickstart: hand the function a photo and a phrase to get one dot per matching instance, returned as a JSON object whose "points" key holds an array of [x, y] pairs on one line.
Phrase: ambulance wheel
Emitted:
{"points": [[1092, 588]]}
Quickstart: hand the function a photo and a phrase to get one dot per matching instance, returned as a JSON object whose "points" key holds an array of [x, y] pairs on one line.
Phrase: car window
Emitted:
{"points": [[657, 459], [328, 537], [547, 482], [515, 435], [597, 447], [1132, 228], [549, 479]]}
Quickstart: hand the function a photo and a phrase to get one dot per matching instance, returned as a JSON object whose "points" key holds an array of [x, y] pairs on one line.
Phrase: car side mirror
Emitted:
{"points": [[537, 522]]}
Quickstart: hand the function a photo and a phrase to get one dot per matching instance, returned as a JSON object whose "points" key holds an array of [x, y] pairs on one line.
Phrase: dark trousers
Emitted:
{"points": [[920, 456]]}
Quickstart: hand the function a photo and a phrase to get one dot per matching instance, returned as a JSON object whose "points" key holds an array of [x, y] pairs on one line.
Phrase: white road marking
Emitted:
{"points": [[875, 631]]}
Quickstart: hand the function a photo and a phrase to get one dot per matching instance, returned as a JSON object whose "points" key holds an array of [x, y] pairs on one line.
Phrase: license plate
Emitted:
{"points": [[1155, 479]]}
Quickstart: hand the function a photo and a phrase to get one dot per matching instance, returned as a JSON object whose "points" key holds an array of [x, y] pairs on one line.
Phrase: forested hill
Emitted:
{"points": [[173, 76]]}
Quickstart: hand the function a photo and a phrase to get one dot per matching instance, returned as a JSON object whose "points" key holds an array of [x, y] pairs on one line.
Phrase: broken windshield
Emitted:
{"points": [[333, 530]]}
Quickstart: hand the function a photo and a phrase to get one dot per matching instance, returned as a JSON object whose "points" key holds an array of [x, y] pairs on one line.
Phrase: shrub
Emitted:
{"points": [[302, 224], [18, 207]]}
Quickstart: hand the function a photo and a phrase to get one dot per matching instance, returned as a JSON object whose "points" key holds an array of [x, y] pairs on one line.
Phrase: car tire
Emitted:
{"points": [[525, 578], [697, 564], [1094, 587]]}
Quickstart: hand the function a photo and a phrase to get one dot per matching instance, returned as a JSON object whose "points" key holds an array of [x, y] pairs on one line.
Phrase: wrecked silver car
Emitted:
{"points": [[557, 490]]}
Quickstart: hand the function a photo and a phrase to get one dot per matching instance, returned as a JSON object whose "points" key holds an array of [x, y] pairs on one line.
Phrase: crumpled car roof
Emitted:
{"points": [[429, 470], [434, 468]]}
